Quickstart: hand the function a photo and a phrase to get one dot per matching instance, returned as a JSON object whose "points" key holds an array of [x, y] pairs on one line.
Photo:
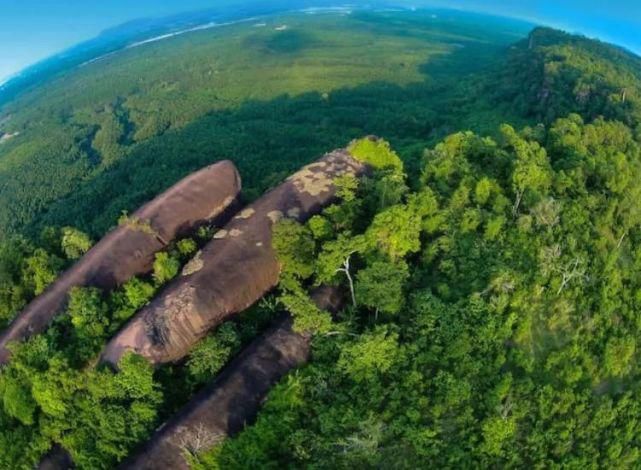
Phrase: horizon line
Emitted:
{"points": [[536, 22]]}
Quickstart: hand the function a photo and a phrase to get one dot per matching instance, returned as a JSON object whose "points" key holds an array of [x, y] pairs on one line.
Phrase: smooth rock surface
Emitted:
{"points": [[202, 197], [232, 272]]}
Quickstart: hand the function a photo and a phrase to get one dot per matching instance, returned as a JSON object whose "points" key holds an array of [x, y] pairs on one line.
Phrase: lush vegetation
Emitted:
{"points": [[27, 268], [494, 318], [112, 133], [553, 73], [490, 271], [50, 392], [53, 390]]}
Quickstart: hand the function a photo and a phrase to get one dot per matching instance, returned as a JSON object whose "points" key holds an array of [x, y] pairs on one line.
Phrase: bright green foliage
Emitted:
{"points": [[531, 175], [134, 294], [510, 266], [17, 401], [166, 267], [497, 432], [40, 270], [396, 231], [320, 227], [375, 152], [135, 224], [334, 255], [74, 242], [186, 247], [380, 286], [27, 269], [295, 247], [137, 292], [372, 354], [307, 316], [346, 187], [517, 327], [212, 353], [89, 317], [51, 393], [113, 413]]}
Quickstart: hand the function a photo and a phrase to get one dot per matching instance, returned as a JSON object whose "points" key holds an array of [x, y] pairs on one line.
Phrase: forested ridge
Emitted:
{"points": [[494, 320], [552, 73], [490, 266]]}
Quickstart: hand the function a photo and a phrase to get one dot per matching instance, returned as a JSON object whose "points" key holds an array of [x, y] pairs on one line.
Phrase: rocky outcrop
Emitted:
{"points": [[223, 408], [6, 137], [232, 272], [233, 399], [202, 197], [56, 459]]}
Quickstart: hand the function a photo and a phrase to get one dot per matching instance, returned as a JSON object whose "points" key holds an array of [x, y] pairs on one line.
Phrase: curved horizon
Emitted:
{"points": [[608, 29]]}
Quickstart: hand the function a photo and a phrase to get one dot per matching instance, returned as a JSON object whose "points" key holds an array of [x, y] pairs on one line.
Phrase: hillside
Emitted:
{"points": [[495, 318], [552, 73], [482, 256], [243, 91]]}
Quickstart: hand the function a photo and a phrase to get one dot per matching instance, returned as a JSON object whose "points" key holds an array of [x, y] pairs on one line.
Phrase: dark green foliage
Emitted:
{"points": [[110, 135], [212, 353], [516, 336], [552, 73], [491, 283], [286, 42]]}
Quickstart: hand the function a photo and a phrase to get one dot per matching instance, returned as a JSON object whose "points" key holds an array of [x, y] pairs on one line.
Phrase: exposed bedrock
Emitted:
{"points": [[232, 272], [128, 250], [233, 399], [56, 459]]}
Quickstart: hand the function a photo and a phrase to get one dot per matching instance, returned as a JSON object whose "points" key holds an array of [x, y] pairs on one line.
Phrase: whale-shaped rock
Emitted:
{"points": [[206, 196], [232, 271], [234, 397]]}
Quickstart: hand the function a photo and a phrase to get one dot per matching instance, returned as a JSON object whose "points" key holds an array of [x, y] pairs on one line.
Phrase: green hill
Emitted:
{"points": [[147, 115], [552, 73], [493, 254]]}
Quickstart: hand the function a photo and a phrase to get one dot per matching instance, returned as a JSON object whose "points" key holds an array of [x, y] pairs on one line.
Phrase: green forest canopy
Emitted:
{"points": [[494, 317], [104, 137], [496, 314]]}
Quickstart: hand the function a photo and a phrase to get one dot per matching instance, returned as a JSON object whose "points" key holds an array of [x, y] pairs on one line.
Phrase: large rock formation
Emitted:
{"points": [[202, 197], [232, 272], [56, 459], [224, 407], [233, 399]]}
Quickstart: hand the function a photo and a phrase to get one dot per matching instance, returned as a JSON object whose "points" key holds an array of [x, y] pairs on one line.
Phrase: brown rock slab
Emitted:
{"points": [[224, 407], [232, 272], [128, 250], [56, 459], [233, 399]]}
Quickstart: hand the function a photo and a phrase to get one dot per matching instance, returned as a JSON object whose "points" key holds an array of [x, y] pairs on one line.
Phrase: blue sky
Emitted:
{"points": [[31, 30]]}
